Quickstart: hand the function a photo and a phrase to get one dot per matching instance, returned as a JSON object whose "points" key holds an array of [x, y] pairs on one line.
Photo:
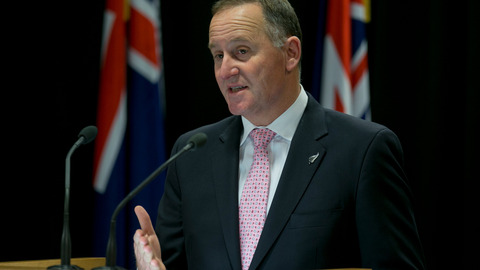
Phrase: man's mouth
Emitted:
{"points": [[237, 88]]}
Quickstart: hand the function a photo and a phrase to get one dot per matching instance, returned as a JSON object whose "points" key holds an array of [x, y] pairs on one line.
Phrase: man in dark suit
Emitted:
{"points": [[336, 195]]}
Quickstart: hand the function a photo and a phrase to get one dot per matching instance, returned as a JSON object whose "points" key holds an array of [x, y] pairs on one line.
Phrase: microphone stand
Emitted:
{"points": [[86, 135], [111, 257], [66, 248]]}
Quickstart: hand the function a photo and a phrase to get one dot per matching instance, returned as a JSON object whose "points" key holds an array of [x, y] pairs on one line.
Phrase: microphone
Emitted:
{"points": [[196, 141], [85, 136]]}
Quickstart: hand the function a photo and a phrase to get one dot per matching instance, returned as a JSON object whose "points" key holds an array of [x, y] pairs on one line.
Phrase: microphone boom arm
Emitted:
{"points": [[111, 245], [85, 136], [66, 250]]}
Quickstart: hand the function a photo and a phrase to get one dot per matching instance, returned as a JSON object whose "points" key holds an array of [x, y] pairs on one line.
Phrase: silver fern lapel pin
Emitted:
{"points": [[312, 159]]}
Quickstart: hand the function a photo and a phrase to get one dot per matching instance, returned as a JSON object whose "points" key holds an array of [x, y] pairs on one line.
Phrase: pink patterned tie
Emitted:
{"points": [[253, 203]]}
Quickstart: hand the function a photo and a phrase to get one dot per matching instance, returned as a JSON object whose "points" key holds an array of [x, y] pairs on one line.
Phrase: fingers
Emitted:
{"points": [[146, 244], [145, 255], [144, 220]]}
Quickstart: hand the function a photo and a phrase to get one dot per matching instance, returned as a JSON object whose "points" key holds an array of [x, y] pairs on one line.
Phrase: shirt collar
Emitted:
{"points": [[286, 124]]}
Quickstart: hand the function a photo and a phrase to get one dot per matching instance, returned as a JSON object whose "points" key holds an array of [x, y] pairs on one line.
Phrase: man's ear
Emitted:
{"points": [[293, 49]]}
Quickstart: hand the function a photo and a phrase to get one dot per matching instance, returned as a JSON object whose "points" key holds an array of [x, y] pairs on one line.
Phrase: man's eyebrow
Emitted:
{"points": [[211, 46]]}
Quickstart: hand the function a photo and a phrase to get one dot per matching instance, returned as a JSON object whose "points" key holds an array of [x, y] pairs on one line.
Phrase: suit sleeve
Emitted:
{"points": [[387, 232]]}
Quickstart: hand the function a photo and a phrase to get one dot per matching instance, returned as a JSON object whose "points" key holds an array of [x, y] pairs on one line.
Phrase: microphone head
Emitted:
{"points": [[89, 133], [197, 140]]}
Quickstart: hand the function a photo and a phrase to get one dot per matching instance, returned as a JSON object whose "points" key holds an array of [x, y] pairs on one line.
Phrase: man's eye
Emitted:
{"points": [[242, 51], [218, 56]]}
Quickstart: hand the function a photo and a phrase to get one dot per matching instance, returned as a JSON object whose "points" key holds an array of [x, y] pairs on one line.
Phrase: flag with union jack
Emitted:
{"points": [[344, 82], [130, 119]]}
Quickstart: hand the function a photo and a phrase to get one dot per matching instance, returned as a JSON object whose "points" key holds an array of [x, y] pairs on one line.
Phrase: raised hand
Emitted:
{"points": [[146, 244]]}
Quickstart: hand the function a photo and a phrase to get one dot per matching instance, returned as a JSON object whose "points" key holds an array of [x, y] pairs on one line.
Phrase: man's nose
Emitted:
{"points": [[228, 68]]}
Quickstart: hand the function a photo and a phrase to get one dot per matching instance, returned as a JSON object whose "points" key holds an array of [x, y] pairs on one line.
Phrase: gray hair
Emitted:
{"points": [[281, 21]]}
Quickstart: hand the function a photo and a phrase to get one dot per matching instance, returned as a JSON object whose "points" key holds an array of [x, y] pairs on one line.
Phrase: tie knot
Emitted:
{"points": [[262, 137]]}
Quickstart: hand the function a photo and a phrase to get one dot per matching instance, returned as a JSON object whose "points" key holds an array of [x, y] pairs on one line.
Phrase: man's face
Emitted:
{"points": [[249, 70]]}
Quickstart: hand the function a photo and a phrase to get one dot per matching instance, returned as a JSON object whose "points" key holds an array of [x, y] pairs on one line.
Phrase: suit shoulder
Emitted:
{"points": [[211, 130], [345, 122], [346, 127]]}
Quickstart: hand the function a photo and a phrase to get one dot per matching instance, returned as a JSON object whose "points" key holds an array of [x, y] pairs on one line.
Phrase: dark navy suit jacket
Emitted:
{"points": [[351, 207]]}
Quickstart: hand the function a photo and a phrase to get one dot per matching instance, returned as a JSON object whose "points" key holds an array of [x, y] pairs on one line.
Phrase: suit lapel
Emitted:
{"points": [[225, 168], [304, 157]]}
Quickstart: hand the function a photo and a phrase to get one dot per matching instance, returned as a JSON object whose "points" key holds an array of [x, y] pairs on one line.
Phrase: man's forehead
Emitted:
{"points": [[244, 17], [214, 43], [234, 29]]}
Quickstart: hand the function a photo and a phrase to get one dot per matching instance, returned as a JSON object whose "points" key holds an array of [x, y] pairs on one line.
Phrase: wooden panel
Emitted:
{"points": [[85, 263]]}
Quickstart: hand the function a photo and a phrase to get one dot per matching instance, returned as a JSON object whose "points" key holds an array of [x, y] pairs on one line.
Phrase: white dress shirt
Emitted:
{"points": [[285, 126]]}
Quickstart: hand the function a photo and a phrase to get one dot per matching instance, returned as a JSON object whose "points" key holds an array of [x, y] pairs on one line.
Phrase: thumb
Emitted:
{"points": [[144, 220]]}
